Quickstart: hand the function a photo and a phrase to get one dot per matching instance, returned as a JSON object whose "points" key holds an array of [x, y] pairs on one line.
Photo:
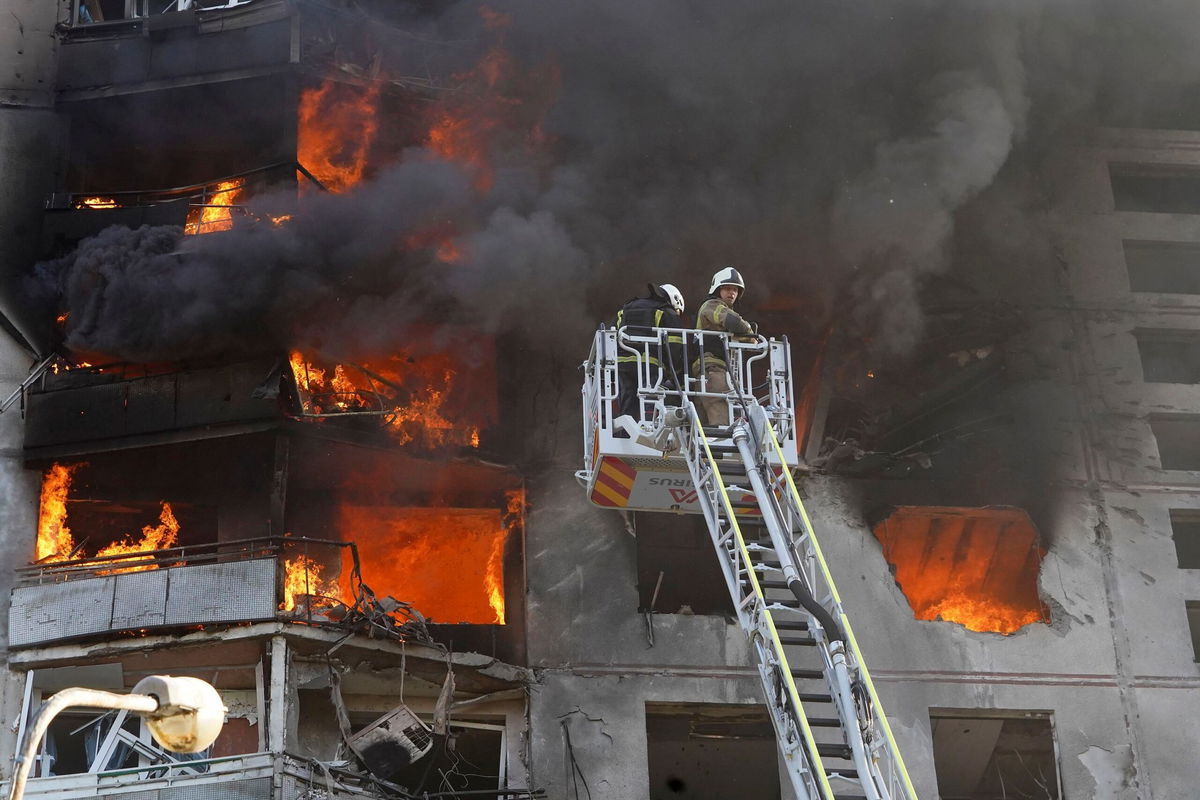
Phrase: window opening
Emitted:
{"points": [[987, 757], [1178, 438], [1165, 267], [1155, 189], [1185, 531], [1193, 618], [1169, 356], [702, 750]]}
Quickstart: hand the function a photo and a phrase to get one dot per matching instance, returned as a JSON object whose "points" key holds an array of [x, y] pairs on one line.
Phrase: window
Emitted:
{"points": [[1169, 356], [1154, 188], [977, 567], [1005, 754], [1178, 437], [1185, 530], [1193, 618], [1169, 267], [678, 570], [708, 750]]}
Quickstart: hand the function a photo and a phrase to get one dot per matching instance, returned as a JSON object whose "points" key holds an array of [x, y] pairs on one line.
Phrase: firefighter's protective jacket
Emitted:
{"points": [[716, 315], [641, 314]]}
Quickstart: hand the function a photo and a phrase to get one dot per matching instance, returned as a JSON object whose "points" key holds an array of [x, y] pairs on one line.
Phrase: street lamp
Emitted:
{"points": [[184, 715]]}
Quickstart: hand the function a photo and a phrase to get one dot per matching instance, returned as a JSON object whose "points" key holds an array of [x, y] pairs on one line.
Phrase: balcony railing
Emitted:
{"points": [[245, 777], [222, 582]]}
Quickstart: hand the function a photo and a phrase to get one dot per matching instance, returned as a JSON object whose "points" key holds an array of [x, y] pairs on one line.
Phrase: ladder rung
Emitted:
{"points": [[772, 584], [807, 674], [809, 697], [852, 774], [718, 433], [797, 641], [722, 448], [790, 625], [832, 750], [824, 722]]}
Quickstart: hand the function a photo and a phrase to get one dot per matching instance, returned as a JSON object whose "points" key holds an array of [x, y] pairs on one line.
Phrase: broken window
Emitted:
{"points": [[678, 573], [1169, 356], [469, 759], [1178, 438], [974, 566], [1185, 531], [1168, 267], [1154, 188], [979, 757], [704, 750], [1193, 618]]}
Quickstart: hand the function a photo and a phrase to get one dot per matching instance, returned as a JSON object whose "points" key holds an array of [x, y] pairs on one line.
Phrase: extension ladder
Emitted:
{"points": [[786, 602]]}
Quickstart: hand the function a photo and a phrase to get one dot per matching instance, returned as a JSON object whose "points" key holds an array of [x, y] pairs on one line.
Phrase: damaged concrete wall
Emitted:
{"points": [[29, 133], [19, 489], [589, 646], [1116, 666], [1115, 669]]}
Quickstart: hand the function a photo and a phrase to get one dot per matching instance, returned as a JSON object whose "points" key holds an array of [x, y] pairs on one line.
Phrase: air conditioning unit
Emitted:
{"points": [[392, 742]]}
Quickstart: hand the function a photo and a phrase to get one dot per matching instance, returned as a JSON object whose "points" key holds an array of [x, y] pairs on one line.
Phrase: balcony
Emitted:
{"points": [[243, 777], [222, 583]]}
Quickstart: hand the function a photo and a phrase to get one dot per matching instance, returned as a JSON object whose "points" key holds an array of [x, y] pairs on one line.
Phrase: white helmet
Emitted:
{"points": [[673, 295], [727, 277]]}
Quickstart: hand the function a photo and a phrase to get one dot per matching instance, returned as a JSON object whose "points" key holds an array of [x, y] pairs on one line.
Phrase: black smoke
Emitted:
{"points": [[831, 150]]}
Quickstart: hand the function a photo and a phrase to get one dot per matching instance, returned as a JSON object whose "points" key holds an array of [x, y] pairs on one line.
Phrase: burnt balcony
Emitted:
{"points": [[101, 408], [282, 578]]}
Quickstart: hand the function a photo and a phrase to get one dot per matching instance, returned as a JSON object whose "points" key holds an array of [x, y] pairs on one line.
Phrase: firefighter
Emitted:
{"points": [[717, 314], [662, 308]]}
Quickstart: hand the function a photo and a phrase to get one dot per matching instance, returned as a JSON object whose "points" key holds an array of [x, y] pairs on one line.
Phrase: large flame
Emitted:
{"points": [[216, 213], [417, 399], [337, 126], [54, 541], [302, 578], [154, 537], [446, 562], [977, 567]]}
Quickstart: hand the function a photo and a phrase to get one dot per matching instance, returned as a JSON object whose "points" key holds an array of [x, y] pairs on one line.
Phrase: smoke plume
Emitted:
{"points": [[826, 149]]}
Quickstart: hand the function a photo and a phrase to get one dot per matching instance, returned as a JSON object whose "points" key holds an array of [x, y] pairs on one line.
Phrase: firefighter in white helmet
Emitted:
{"points": [[717, 314], [662, 308]]}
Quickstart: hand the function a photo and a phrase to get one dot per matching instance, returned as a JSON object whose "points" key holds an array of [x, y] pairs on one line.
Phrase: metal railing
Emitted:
{"points": [[757, 366], [327, 572], [162, 778]]}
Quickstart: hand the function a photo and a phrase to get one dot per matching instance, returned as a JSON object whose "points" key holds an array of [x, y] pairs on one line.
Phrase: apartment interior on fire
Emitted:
{"points": [[343, 549], [329, 544]]}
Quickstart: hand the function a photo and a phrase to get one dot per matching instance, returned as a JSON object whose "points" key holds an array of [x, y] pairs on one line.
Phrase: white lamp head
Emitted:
{"points": [[190, 713]]}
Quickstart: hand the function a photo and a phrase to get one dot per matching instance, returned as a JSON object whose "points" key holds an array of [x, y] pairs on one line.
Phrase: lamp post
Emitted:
{"points": [[184, 715]]}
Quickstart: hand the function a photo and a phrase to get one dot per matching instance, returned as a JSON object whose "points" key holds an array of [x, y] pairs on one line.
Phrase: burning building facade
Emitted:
{"points": [[344, 529]]}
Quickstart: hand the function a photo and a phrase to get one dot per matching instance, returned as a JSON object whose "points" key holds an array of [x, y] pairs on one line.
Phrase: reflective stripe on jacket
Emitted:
{"points": [[716, 315]]}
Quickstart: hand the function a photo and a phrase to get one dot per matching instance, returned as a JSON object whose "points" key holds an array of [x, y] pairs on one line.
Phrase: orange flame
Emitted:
{"points": [[97, 202], [154, 537], [980, 614], [497, 103], [54, 542], [302, 578], [447, 562], [337, 126], [216, 213], [417, 399], [977, 567]]}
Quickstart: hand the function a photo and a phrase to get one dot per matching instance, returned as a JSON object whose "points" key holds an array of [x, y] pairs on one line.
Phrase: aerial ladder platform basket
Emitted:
{"points": [[832, 734]]}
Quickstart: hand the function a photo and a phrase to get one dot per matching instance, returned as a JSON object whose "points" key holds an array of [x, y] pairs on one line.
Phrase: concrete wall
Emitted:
{"points": [[29, 134], [19, 489], [1115, 669]]}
